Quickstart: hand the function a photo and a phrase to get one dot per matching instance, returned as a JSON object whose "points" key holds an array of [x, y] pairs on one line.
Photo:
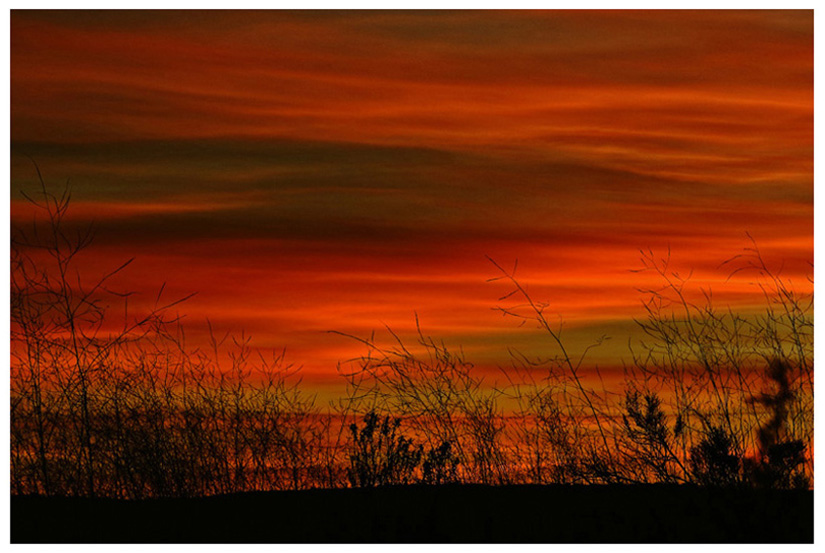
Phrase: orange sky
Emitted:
{"points": [[314, 171]]}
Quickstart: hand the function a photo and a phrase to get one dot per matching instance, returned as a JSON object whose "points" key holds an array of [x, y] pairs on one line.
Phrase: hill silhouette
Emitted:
{"points": [[430, 514]]}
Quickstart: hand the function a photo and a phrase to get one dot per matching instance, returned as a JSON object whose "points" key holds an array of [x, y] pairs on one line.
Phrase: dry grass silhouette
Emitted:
{"points": [[107, 403]]}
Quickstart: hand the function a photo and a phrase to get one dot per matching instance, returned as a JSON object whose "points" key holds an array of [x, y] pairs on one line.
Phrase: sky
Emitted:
{"points": [[307, 172]]}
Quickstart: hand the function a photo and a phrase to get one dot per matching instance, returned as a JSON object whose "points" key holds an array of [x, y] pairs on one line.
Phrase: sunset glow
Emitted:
{"points": [[307, 172]]}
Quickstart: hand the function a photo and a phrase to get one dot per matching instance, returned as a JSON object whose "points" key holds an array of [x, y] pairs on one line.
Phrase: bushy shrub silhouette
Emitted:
{"points": [[649, 438], [381, 456], [781, 458], [440, 465], [713, 462], [780, 467], [785, 459]]}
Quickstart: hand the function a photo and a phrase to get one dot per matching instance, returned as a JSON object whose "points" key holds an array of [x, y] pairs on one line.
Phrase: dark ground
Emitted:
{"points": [[563, 514]]}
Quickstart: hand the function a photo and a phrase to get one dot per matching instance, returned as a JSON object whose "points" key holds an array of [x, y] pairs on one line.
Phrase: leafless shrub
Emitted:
{"points": [[584, 444], [119, 407], [713, 362], [107, 403], [438, 395], [691, 409]]}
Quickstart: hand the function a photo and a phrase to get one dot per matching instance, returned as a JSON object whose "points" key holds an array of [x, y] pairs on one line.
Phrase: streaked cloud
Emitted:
{"points": [[314, 170]]}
